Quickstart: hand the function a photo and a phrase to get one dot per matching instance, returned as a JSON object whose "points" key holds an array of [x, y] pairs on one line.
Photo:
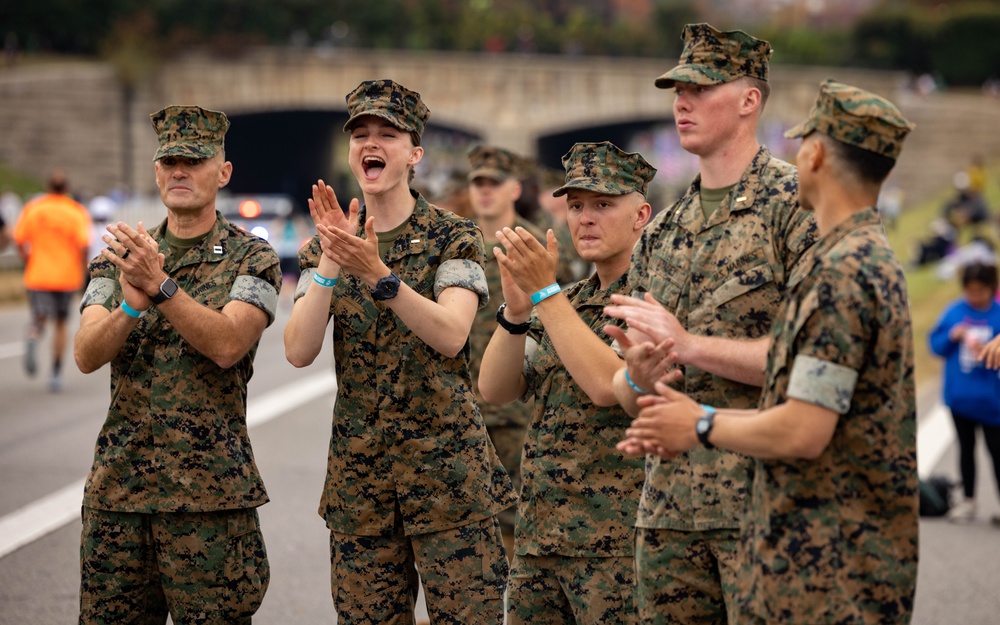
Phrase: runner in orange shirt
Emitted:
{"points": [[53, 237]]}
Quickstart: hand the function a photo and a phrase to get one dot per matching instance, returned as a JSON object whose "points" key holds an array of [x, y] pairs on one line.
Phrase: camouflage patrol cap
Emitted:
{"points": [[189, 131], [856, 117], [713, 57], [605, 168], [389, 100], [492, 162]]}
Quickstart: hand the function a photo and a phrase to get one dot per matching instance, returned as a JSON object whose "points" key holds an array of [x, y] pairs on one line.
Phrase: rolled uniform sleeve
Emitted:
{"points": [[830, 343]]}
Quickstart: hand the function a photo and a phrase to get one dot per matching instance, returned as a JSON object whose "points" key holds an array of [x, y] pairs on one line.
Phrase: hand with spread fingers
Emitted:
{"points": [[648, 316], [531, 266], [355, 255], [325, 209], [647, 362], [665, 425], [138, 258]]}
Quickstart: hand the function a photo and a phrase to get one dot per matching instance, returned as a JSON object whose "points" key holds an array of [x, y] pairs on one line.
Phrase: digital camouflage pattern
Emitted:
{"points": [[463, 571], [406, 428], [561, 589], [175, 437], [389, 100], [506, 424], [688, 577], [856, 117], [605, 168], [189, 131], [579, 493], [493, 163], [712, 57], [721, 277], [201, 567], [834, 540]]}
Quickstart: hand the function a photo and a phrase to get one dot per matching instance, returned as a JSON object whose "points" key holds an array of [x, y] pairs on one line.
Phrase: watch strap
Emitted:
{"points": [[167, 290], [704, 425], [511, 328]]}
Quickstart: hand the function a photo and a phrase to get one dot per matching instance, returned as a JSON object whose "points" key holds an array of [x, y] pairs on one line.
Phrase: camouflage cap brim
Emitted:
{"points": [[590, 184], [386, 115], [490, 173], [692, 74], [186, 150]]}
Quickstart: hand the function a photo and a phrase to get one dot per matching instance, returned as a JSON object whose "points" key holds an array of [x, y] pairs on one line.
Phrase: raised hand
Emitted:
{"points": [[531, 266], [325, 209], [353, 254]]}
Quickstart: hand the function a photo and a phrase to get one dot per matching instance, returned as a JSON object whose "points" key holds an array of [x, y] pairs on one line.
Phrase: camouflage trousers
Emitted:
{"points": [[687, 578], [508, 439], [374, 579], [201, 567], [557, 590]]}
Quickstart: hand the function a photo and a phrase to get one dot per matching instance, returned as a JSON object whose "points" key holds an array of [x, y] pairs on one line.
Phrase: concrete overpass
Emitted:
{"points": [[289, 103]]}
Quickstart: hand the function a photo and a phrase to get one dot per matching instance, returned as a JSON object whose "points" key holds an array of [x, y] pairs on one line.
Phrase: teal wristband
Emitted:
{"points": [[548, 291], [132, 312], [635, 387], [320, 280]]}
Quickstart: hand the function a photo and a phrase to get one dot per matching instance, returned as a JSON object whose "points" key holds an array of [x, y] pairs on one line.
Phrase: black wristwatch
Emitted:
{"points": [[703, 427], [512, 328], [167, 289], [386, 288]]}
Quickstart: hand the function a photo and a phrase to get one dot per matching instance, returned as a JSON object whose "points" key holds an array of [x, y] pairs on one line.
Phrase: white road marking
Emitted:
{"points": [[935, 434], [51, 512]]}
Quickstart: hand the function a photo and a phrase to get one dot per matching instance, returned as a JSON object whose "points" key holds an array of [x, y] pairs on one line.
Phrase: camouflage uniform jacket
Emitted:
{"points": [[514, 413], [407, 433], [726, 278], [834, 540], [175, 438], [580, 493]]}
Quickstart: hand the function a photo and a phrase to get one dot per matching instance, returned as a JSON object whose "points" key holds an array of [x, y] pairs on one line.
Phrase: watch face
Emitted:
{"points": [[168, 288], [702, 426]]}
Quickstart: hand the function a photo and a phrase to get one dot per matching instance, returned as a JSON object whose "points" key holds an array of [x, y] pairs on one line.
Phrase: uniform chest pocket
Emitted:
{"points": [[353, 315], [755, 281]]}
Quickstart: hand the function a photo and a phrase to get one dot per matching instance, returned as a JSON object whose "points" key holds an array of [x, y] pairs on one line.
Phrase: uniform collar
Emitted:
{"points": [[741, 197], [414, 237]]}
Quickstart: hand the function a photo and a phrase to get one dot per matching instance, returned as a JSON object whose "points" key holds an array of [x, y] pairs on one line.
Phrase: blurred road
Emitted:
{"points": [[46, 447]]}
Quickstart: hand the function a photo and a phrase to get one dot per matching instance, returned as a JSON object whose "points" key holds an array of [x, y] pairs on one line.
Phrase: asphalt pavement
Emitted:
{"points": [[46, 446]]}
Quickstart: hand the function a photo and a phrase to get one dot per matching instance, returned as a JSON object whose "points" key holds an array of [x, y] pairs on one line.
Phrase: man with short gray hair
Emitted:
{"points": [[170, 520]]}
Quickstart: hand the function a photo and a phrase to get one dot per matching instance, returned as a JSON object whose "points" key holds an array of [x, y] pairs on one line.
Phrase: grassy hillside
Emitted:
{"points": [[928, 294]]}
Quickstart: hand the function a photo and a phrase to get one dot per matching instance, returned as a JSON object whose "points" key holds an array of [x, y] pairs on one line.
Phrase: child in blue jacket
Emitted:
{"points": [[971, 390]]}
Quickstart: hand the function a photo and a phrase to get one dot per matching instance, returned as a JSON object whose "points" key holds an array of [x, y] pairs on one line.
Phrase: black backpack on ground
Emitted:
{"points": [[935, 496]]}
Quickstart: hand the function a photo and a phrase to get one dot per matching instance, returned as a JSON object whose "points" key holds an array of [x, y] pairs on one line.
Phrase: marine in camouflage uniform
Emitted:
{"points": [[169, 509], [494, 168], [574, 537], [831, 530], [413, 482], [844, 344], [722, 274]]}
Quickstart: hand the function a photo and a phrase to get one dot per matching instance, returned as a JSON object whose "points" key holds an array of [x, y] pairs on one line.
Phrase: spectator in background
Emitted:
{"points": [[971, 389], [5, 236], [53, 236], [493, 190]]}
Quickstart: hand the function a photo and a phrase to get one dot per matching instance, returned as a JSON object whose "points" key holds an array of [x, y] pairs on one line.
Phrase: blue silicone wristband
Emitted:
{"points": [[320, 280], [131, 312], [548, 291], [635, 387]]}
